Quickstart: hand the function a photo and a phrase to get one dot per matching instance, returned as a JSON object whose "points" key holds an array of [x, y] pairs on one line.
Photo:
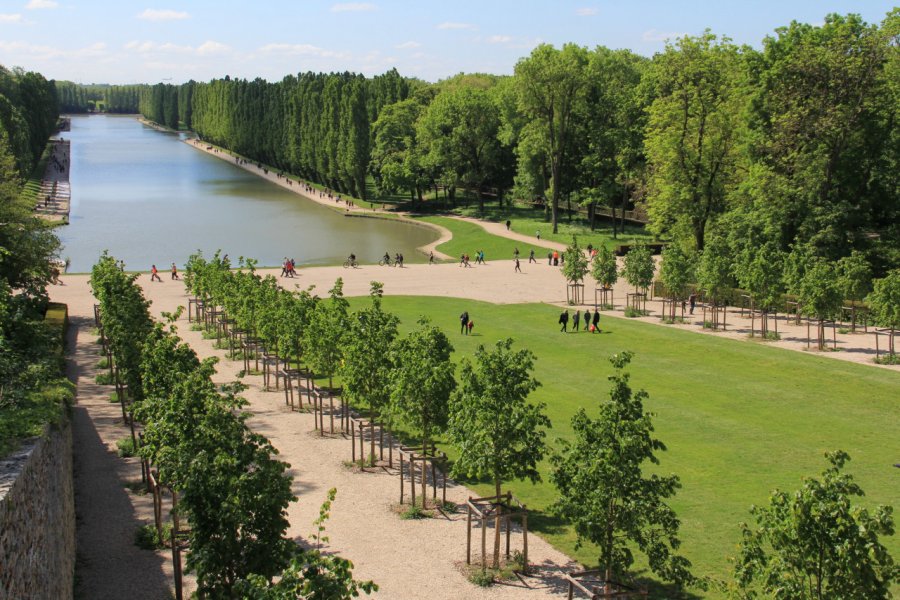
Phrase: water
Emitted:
{"points": [[149, 199]]}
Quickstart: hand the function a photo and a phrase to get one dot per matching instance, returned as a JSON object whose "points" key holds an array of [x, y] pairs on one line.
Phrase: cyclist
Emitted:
{"points": [[387, 259], [352, 259]]}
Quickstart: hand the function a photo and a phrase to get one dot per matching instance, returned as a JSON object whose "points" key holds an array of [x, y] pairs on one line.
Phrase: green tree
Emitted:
{"points": [[324, 336], [310, 574], [693, 134], [422, 381], [884, 302], [675, 272], [459, 129], [639, 267], [575, 266], [823, 125], [604, 268], [605, 492], [498, 433], [854, 280], [760, 272], [366, 369], [551, 86], [814, 543], [820, 295], [714, 276]]}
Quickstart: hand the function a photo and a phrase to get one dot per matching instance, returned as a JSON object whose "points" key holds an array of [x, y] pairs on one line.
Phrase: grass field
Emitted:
{"points": [[469, 237], [528, 221], [739, 419]]}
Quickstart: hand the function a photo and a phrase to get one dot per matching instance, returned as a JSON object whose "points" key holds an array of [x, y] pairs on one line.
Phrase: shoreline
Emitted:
{"points": [[444, 235]]}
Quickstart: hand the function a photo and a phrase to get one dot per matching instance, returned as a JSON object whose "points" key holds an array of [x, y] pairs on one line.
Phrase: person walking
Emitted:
{"points": [[531, 258], [693, 301], [516, 252], [550, 259], [587, 319], [576, 320], [284, 267], [508, 224], [174, 272], [464, 322], [431, 257], [564, 321], [518, 267], [154, 274], [596, 321]]}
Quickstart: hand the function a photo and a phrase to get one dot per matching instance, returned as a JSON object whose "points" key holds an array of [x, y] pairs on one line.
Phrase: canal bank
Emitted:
{"points": [[298, 187]]}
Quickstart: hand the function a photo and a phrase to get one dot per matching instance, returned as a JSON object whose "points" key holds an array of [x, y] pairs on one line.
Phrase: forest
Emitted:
{"points": [[31, 389], [80, 99], [793, 146]]}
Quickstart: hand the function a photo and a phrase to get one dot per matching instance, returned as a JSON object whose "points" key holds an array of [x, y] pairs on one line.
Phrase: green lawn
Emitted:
{"points": [[469, 237], [529, 221], [739, 419]]}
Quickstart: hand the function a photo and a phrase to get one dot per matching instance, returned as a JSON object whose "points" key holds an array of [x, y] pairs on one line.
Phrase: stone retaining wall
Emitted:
{"points": [[37, 519]]}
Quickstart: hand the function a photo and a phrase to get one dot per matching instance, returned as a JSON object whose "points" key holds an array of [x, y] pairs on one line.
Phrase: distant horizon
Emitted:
{"points": [[93, 43]]}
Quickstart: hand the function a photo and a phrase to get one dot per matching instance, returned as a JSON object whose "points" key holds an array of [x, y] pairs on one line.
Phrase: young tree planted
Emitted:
{"points": [[675, 272], [815, 544], [326, 332], [422, 381], [498, 433], [605, 492]]}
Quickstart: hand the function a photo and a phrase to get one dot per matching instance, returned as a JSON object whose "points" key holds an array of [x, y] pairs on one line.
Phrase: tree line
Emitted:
{"points": [[792, 144], [33, 390], [78, 99], [233, 491]]}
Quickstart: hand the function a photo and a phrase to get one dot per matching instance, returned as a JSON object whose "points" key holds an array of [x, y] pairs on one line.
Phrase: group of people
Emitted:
{"points": [[591, 323], [398, 259], [464, 259], [288, 267], [465, 323], [154, 272]]}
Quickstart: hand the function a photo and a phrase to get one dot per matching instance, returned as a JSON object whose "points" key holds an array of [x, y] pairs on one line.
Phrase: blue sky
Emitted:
{"points": [[146, 42]]}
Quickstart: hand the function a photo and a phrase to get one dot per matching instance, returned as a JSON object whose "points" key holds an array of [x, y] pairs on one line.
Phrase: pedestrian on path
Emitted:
{"points": [[693, 301], [174, 272], [464, 322], [154, 274], [508, 223], [531, 258], [518, 267], [576, 320], [564, 320]]}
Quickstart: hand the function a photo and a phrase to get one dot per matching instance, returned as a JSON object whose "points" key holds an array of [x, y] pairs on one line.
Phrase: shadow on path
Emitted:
{"points": [[108, 563]]}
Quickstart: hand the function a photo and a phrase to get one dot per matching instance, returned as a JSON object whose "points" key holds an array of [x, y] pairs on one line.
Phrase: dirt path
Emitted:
{"points": [[108, 564], [408, 559]]}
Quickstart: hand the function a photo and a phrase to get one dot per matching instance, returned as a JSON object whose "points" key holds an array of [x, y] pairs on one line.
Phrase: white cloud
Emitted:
{"points": [[153, 14], [353, 7], [652, 35], [408, 45], [451, 25], [210, 47], [499, 39], [11, 18], [207, 48], [587, 12], [43, 53], [301, 50], [36, 4]]}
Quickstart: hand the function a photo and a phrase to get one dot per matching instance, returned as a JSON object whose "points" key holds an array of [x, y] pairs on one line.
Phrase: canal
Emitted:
{"points": [[149, 198]]}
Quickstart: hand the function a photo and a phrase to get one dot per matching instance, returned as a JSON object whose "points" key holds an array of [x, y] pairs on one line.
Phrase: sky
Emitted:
{"points": [[122, 41]]}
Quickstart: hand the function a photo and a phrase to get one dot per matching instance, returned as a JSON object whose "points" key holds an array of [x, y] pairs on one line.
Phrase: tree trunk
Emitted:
{"points": [[497, 522], [554, 207]]}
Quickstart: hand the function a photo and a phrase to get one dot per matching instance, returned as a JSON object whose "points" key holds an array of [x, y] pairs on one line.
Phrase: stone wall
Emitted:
{"points": [[37, 519]]}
